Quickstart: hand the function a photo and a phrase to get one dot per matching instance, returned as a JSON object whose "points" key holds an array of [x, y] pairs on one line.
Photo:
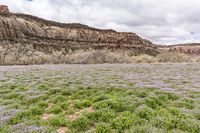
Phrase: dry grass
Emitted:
{"points": [[86, 57]]}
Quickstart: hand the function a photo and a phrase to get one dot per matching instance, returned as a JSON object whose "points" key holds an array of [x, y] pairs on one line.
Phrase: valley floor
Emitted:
{"points": [[132, 98]]}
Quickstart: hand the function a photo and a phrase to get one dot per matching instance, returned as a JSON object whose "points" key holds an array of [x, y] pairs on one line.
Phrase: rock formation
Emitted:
{"points": [[48, 36], [4, 9], [191, 48]]}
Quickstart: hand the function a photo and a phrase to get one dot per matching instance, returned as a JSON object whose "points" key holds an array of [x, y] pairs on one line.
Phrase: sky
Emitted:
{"points": [[160, 21]]}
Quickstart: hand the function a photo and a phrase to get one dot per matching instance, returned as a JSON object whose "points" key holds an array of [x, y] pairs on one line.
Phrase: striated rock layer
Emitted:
{"points": [[190, 48], [48, 36]]}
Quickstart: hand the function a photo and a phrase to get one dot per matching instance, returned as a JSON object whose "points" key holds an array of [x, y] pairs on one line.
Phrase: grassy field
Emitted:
{"points": [[138, 98]]}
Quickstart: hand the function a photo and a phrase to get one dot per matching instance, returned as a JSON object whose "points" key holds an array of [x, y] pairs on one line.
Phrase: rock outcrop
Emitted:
{"points": [[190, 49], [4, 9], [48, 36]]}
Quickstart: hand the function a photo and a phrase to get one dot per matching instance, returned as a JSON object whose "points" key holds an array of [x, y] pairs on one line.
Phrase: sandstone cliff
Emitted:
{"points": [[190, 48], [48, 36]]}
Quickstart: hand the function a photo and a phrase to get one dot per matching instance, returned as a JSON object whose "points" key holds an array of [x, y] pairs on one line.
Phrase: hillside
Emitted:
{"points": [[189, 48], [38, 35]]}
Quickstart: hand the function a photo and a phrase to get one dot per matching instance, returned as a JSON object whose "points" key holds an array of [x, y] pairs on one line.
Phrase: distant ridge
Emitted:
{"points": [[48, 36]]}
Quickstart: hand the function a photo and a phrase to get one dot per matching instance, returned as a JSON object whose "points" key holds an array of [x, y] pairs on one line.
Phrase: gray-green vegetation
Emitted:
{"points": [[137, 98]]}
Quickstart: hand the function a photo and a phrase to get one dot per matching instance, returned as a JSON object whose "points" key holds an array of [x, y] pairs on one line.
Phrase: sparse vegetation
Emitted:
{"points": [[28, 56], [50, 98]]}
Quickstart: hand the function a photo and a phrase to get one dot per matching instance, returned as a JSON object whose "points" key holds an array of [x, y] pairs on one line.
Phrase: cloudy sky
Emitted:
{"points": [[161, 21]]}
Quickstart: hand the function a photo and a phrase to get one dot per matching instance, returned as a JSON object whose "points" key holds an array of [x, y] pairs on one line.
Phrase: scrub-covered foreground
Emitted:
{"points": [[100, 98]]}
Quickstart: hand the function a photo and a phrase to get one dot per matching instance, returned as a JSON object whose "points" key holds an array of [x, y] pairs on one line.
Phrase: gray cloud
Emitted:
{"points": [[161, 21]]}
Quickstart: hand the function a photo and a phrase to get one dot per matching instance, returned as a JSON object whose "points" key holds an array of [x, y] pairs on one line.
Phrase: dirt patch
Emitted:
{"points": [[62, 129], [79, 113], [46, 116]]}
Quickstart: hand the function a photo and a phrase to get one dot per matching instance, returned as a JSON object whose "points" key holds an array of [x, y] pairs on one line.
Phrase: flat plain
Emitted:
{"points": [[132, 98]]}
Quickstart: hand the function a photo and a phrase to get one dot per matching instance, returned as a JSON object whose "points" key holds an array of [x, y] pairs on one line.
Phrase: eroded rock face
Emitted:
{"points": [[191, 49], [48, 36], [4, 9]]}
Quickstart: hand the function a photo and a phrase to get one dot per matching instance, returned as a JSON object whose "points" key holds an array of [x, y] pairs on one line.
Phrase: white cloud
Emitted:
{"points": [[161, 21]]}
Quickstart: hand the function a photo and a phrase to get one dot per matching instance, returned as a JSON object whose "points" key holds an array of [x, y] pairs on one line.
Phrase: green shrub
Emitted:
{"points": [[183, 104], [12, 96], [122, 123], [35, 110], [55, 109], [170, 96], [42, 104], [189, 125], [156, 101], [13, 86], [197, 115], [44, 86], [64, 105], [81, 123], [59, 99], [103, 128], [144, 129], [54, 90], [99, 98], [104, 115], [110, 103], [66, 92], [166, 123], [144, 112], [58, 121], [82, 104]]}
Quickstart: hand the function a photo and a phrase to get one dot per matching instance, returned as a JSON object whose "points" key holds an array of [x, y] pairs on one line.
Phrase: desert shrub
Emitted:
{"points": [[59, 99], [114, 104], [141, 93], [173, 57], [64, 105], [42, 58], [103, 128], [42, 104], [143, 129], [96, 57], [31, 113], [166, 123], [196, 58], [12, 95], [144, 59], [35, 110], [34, 99], [153, 102], [122, 123], [43, 86], [197, 115], [55, 109], [82, 104], [183, 104], [58, 121], [103, 115], [99, 98], [189, 125], [54, 90], [144, 112], [90, 57], [81, 123], [66, 92], [18, 118]]}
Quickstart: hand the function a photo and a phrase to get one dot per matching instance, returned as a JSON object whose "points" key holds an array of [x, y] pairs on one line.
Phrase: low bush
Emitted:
{"points": [[56, 109], [103, 128], [81, 123], [58, 121], [103, 115], [82, 104], [144, 112]]}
